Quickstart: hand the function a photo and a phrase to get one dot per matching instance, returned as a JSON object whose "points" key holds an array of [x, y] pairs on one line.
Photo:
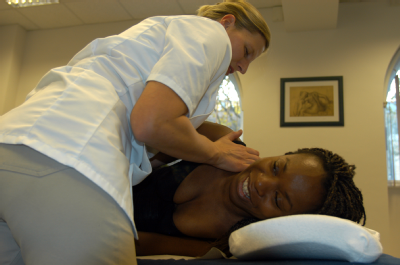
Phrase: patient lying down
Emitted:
{"points": [[187, 208]]}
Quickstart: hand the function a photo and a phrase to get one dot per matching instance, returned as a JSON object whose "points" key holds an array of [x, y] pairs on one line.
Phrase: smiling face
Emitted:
{"points": [[246, 46], [279, 186]]}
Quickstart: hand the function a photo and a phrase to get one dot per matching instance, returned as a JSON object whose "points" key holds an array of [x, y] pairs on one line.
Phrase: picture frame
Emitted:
{"points": [[312, 101]]}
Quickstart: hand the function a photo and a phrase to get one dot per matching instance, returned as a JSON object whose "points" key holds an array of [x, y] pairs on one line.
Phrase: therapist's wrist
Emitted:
{"points": [[214, 155]]}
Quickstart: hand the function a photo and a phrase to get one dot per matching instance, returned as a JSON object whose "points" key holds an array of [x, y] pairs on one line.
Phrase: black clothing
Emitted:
{"points": [[153, 205], [153, 198]]}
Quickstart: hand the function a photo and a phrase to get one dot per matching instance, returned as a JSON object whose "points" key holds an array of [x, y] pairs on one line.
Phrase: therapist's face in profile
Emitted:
{"points": [[246, 46]]}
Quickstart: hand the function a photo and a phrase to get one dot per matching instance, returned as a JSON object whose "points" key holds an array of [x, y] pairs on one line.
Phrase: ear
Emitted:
{"points": [[228, 21]]}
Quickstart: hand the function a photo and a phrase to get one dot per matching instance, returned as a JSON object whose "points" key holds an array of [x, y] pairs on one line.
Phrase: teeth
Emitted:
{"points": [[246, 188]]}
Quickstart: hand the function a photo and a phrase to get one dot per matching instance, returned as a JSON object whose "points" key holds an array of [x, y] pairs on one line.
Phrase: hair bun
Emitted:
{"points": [[234, 1], [247, 17]]}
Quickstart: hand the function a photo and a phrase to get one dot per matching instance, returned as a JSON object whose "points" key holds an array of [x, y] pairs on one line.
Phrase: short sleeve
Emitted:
{"points": [[196, 53]]}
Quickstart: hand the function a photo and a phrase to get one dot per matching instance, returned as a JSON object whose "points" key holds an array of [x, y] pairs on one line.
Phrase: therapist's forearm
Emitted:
{"points": [[178, 138], [211, 130]]}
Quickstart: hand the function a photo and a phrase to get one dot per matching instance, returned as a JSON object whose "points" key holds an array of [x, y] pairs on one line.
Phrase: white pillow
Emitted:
{"points": [[306, 236]]}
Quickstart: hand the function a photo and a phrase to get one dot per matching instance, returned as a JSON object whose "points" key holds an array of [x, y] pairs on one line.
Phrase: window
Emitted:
{"points": [[228, 110], [392, 117], [392, 135]]}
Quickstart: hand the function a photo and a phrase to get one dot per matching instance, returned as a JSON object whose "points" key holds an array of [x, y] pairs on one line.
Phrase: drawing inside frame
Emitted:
{"points": [[312, 101]]}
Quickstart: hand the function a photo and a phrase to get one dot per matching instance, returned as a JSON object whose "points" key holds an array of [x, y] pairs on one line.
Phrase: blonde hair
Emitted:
{"points": [[247, 16]]}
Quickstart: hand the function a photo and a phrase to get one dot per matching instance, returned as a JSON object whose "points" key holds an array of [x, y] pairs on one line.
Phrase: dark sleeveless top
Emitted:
{"points": [[153, 198], [153, 205]]}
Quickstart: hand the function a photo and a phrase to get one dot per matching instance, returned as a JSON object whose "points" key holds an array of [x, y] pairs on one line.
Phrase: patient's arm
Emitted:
{"points": [[158, 244], [212, 131], [161, 159]]}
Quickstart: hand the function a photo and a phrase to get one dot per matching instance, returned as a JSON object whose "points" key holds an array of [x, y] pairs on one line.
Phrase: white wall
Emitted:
{"points": [[11, 52], [46, 49], [394, 217], [360, 50]]}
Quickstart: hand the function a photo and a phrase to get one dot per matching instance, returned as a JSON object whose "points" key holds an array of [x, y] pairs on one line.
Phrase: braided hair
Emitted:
{"points": [[343, 198]]}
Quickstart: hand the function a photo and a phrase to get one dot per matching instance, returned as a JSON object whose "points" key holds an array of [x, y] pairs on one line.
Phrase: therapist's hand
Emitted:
{"points": [[233, 157]]}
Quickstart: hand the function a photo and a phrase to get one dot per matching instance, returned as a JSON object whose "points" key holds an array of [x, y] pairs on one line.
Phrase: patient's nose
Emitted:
{"points": [[265, 185]]}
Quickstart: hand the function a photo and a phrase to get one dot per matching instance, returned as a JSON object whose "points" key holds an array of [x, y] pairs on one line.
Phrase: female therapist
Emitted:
{"points": [[70, 154]]}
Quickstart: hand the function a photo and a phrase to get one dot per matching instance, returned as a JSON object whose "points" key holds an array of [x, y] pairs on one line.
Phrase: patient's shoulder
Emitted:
{"points": [[197, 182]]}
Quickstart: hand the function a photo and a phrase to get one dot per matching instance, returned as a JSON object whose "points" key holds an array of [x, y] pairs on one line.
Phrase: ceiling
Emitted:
{"points": [[298, 15]]}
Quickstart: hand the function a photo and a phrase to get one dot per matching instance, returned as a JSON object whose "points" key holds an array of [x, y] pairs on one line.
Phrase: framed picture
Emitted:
{"points": [[312, 101]]}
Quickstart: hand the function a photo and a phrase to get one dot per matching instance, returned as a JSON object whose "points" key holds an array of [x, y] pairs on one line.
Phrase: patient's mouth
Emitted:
{"points": [[246, 188]]}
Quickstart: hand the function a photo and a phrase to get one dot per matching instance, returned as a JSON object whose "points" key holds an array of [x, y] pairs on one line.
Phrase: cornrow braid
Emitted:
{"points": [[343, 198]]}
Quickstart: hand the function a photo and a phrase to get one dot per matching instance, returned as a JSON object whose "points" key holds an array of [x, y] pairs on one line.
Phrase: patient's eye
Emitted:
{"points": [[276, 199], [275, 167], [246, 51]]}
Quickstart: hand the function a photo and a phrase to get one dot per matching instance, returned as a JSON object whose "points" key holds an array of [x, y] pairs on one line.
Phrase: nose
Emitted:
{"points": [[242, 66], [264, 185]]}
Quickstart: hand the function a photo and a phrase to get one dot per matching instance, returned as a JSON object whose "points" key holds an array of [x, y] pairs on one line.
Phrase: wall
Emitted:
{"points": [[46, 49], [11, 52], [394, 217], [360, 50]]}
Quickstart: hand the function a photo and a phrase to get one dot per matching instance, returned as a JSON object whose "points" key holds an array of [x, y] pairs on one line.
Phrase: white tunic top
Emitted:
{"points": [[79, 114]]}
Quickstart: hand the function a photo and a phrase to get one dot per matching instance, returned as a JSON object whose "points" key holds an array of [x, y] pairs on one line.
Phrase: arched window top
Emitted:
{"points": [[393, 68], [391, 93]]}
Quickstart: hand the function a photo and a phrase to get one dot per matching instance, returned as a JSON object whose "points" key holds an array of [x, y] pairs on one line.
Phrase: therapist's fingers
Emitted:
{"points": [[233, 157], [246, 160], [252, 151], [234, 164], [233, 135]]}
